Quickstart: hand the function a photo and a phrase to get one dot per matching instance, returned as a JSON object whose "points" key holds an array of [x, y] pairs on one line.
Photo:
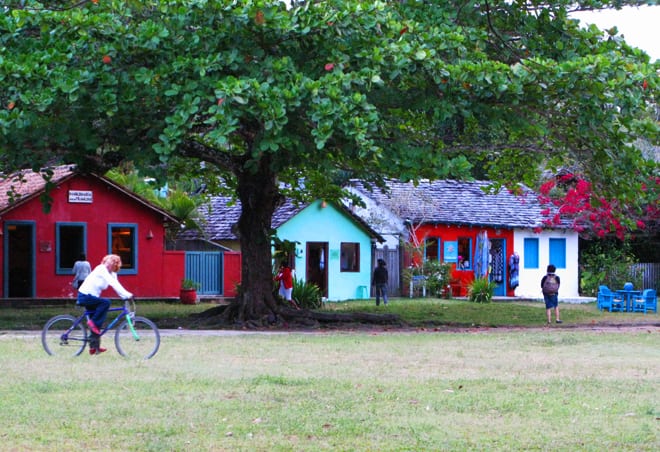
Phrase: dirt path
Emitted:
{"points": [[380, 329]]}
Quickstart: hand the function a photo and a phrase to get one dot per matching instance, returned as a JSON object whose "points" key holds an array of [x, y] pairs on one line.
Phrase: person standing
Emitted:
{"points": [[89, 296], [285, 277], [550, 287], [380, 279], [81, 269]]}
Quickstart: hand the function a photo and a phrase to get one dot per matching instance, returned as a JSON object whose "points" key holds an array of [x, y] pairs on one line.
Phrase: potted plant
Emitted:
{"points": [[188, 293]]}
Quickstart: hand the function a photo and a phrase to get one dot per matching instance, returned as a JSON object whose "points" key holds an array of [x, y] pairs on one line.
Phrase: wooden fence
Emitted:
{"points": [[651, 275], [391, 257]]}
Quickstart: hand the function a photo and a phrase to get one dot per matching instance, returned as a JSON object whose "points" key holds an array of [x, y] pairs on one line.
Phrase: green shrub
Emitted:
{"points": [[607, 263], [307, 295], [481, 291], [438, 275]]}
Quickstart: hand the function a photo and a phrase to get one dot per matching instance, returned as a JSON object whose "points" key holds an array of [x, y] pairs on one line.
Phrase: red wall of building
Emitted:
{"points": [[159, 272], [232, 272], [452, 233]]}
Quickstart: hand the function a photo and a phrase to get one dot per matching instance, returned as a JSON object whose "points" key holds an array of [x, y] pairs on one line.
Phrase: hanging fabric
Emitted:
{"points": [[514, 266]]}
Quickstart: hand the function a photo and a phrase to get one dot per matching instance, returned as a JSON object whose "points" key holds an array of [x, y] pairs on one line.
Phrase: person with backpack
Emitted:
{"points": [[550, 287]]}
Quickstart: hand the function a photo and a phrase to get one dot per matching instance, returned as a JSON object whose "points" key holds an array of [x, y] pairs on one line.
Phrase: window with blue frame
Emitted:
{"points": [[531, 247], [464, 253], [70, 243], [123, 242], [432, 249], [557, 252]]}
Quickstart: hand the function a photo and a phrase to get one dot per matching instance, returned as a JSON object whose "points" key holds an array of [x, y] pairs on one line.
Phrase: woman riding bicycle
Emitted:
{"points": [[89, 295]]}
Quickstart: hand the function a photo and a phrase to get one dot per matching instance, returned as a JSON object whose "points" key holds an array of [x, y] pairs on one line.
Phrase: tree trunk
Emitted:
{"points": [[259, 196]]}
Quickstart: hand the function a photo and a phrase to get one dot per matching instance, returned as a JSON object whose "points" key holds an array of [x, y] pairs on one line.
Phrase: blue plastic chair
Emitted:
{"points": [[609, 300], [648, 301]]}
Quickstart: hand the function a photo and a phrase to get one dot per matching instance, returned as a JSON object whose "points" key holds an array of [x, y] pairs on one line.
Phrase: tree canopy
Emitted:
{"points": [[277, 100]]}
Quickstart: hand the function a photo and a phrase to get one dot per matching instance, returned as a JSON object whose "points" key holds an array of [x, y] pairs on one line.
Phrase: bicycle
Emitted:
{"points": [[135, 336]]}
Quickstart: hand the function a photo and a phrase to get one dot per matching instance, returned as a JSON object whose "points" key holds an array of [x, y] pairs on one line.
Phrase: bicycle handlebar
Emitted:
{"points": [[129, 304]]}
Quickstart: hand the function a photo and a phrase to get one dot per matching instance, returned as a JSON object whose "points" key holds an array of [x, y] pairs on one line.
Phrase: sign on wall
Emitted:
{"points": [[80, 196], [451, 251]]}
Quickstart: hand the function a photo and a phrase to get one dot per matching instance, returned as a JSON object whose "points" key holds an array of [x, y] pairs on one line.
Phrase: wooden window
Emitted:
{"points": [[70, 243], [350, 257], [432, 249], [123, 242], [557, 252], [464, 253], [531, 258]]}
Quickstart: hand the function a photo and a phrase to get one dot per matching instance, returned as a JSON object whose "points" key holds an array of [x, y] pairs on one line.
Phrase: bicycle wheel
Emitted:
{"points": [[60, 338], [143, 344]]}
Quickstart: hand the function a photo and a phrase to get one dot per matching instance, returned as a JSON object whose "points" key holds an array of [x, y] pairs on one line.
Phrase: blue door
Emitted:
{"points": [[206, 268], [497, 272]]}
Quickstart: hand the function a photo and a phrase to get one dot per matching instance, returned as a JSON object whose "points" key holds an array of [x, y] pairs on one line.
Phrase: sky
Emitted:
{"points": [[640, 27]]}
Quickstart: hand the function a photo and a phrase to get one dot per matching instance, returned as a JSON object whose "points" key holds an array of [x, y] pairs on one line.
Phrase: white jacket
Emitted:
{"points": [[99, 280]]}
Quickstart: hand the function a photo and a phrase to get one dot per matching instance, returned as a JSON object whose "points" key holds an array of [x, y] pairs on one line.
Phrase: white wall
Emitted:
{"points": [[380, 219], [530, 278]]}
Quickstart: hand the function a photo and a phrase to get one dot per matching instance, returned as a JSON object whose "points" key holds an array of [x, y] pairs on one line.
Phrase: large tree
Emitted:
{"points": [[287, 100]]}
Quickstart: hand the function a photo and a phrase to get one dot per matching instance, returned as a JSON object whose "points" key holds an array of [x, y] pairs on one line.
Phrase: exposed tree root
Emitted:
{"points": [[284, 317]]}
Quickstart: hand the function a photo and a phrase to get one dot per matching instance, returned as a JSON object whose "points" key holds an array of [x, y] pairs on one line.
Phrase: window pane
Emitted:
{"points": [[70, 244], [531, 253], [558, 252], [123, 244], [431, 249], [464, 253], [350, 257]]}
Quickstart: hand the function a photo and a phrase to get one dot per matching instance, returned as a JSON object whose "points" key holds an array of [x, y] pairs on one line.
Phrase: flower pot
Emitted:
{"points": [[188, 296]]}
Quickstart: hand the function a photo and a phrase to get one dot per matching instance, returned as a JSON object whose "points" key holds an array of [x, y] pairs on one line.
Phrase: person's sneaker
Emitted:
{"points": [[558, 321], [97, 351], [93, 328]]}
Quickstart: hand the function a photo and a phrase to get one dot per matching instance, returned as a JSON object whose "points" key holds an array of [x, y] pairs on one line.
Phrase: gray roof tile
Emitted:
{"points": [[459, 202], [223, 215]]}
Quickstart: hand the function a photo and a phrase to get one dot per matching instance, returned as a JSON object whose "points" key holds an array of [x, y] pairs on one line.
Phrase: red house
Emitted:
{"points": [[82, 213]]}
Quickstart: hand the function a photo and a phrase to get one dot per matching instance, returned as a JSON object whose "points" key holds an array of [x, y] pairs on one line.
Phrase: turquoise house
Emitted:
{"points": [[334, 249]]}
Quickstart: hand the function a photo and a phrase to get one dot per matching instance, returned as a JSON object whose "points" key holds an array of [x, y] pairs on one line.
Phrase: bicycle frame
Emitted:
{"points": [[124, 313]]}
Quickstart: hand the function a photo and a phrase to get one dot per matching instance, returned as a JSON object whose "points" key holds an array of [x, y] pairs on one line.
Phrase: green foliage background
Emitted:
{"points": [[251, 94]]}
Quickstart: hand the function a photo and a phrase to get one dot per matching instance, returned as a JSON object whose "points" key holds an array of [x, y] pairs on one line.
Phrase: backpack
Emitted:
{"points": [[550, 285]]}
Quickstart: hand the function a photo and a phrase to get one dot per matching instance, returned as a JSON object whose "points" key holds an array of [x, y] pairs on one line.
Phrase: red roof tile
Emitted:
{"points": [[25, 184]]}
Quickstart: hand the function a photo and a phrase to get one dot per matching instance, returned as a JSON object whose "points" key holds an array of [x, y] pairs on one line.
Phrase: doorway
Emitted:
{"points": [[19, 260], [498, 266], [316, 267]]}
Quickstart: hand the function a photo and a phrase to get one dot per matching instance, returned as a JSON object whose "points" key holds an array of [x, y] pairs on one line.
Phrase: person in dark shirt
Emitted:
{"points": [[380, 279]]}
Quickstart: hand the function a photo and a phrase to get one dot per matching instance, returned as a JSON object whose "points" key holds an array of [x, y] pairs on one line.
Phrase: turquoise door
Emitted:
{"points": [[206, 268], [497, 273]]}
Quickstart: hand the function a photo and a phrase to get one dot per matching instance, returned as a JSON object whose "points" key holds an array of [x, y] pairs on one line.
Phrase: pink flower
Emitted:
{"points": [[329, 66]]}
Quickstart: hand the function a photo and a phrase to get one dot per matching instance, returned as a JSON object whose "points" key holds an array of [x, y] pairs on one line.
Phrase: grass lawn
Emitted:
{"points": [[554, 389], [416, 313]]}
